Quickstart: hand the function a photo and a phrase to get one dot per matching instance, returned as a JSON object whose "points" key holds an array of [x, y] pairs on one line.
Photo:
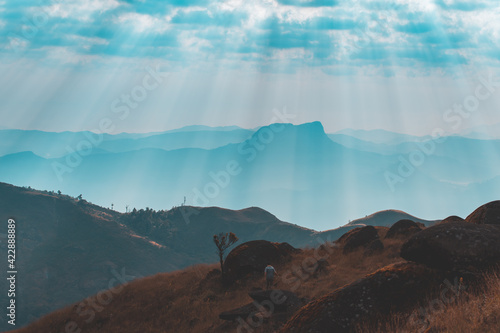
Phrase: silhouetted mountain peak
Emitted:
{"points": [[313, 127], [292, 135]]}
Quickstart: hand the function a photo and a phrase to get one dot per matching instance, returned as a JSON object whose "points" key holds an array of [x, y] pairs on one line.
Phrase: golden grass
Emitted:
{"points": [[188, 301], [473, 312], [476, 310]]}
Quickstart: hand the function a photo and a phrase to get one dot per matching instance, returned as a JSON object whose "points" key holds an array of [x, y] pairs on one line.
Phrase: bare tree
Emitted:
{"points": [[223, 241]]}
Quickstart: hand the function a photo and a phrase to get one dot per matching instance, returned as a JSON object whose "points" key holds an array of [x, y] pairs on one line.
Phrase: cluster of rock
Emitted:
{"points": [[437, 255], [391, 289], [368, 237]]}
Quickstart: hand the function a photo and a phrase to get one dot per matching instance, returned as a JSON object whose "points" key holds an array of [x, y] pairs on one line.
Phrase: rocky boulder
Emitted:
{"points": [[403, 228], [394, 288], [452, 219], [375, 246], [486, 214], [455, 246], [253, 256], [359, 237]]}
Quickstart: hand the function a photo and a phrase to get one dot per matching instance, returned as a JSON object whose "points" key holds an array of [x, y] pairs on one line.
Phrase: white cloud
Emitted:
{"points": [[88, 42], [143, 22], [474, 34], [65, 56], [419, 5], [192, 43], [80, 10], [290, 54]]}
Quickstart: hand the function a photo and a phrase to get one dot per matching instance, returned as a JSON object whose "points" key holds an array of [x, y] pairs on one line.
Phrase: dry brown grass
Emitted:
{"points": [[476, 310], [187, 301], [472, 312]]}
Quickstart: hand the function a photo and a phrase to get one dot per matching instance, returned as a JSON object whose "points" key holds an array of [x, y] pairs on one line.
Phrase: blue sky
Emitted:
{"points": [[397, 65]]}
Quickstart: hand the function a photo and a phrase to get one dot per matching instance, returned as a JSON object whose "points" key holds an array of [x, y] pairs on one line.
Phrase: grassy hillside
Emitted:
{"points": [[69, 249], [191, 300]]}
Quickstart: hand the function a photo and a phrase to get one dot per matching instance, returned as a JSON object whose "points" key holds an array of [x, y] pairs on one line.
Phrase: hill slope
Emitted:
{"points": [[69, 249], [197, 299], [191, 300]]}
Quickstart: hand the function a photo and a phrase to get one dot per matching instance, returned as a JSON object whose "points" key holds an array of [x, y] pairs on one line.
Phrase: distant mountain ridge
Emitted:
{"points": [[298, 172], [195, 128], [55, 145], [380, 136], [387, 218], [486, 132]]}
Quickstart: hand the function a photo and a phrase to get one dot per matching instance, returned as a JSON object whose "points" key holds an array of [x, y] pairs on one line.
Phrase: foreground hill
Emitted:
{"points": [[192, 299], [326, 289], [69, 249]]}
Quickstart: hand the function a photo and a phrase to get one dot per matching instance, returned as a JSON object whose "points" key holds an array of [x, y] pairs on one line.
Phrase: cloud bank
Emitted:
{"points": [[419, 35]]}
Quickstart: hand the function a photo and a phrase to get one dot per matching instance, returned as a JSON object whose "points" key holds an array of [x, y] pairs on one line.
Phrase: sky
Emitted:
{"points": [[159, 65]]}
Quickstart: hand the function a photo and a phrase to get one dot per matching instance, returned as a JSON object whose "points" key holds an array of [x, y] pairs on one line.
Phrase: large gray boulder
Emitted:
{"points": [[452, 219], [455, 246], [486, 214], [394, 288], [253, 257], [357, 238], [403, 228]]}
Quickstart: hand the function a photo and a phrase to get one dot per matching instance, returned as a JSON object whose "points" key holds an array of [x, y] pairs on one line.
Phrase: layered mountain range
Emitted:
{"points": [[298, 172]]}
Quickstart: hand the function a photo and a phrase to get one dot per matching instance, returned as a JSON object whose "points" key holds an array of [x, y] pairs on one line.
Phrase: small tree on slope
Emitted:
{"points": [[223, 241]]}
